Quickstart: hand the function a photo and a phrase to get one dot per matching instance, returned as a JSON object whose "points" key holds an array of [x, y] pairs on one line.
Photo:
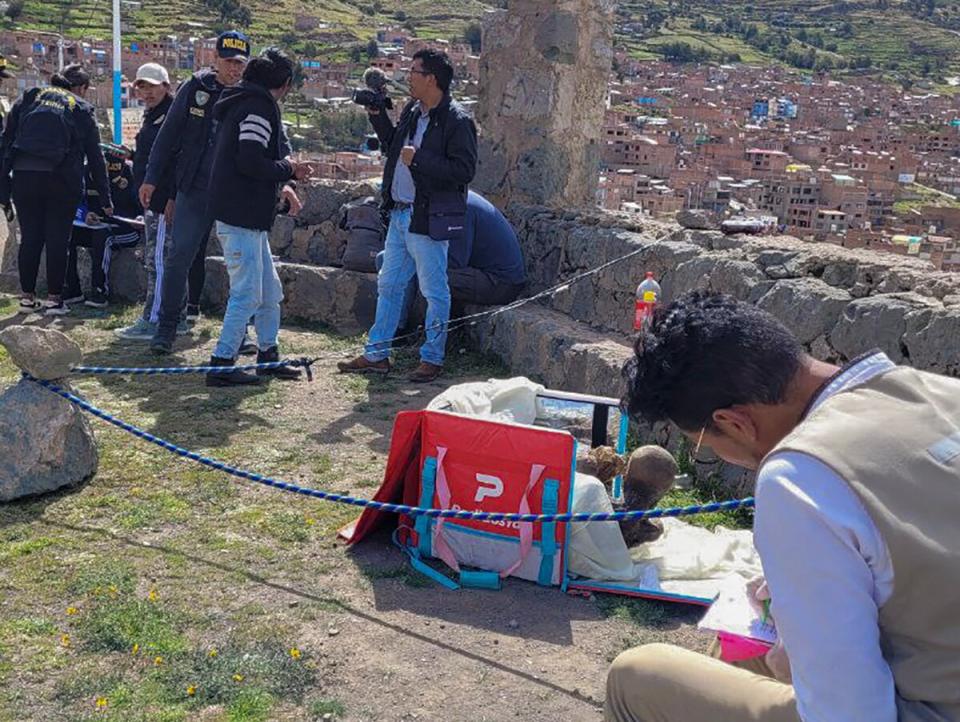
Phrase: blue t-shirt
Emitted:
{"points": [[488, 243]]}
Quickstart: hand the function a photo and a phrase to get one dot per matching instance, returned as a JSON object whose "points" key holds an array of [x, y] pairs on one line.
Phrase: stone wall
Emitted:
{"points": [[839, 302]]}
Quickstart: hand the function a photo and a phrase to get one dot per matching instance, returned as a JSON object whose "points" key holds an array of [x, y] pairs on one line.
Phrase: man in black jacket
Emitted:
{"points": [[250, 166], [186, 141], [431, 159], [152, 86]]}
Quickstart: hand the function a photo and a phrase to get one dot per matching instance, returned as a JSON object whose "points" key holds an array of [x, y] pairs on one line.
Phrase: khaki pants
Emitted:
{"points": [[663, 683]]}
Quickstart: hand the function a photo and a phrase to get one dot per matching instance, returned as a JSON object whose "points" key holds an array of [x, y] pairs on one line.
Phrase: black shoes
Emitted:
{"points": [[285, 373], [229, 376]]}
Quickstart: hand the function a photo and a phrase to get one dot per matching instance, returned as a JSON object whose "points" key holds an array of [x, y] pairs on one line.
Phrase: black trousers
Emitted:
{"points": [[101, 242], [46, 205]]}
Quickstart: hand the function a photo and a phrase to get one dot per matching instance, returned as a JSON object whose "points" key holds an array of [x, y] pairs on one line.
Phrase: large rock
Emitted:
{"points": [[698, 220], [42, 352], [45, 442], [875, 322], [807, 306]]}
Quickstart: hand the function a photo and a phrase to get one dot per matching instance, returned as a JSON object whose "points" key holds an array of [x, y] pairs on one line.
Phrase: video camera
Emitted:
{"points": [[375, 94]]}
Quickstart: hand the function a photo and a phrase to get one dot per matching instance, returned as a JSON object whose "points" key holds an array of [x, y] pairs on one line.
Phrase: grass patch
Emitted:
{"points": [[402, 573], [15, 549], [107, 576], [641, 612], [320, 707], [245, 677], [118, 623]]}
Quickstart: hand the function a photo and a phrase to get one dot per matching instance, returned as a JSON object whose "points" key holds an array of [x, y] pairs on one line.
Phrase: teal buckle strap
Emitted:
{"points": [[548, 534], [417, 563], [424, 524]]}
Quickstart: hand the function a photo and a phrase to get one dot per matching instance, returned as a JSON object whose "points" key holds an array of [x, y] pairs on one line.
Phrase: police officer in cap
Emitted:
{"points": [[186, 139]]}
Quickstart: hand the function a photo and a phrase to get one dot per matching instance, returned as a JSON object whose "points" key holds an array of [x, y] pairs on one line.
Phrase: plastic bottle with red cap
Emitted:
{"points": [[648, 296]]}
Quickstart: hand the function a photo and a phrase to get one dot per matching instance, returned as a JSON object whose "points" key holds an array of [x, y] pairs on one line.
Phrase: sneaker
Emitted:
{"points": [[73, 297], [362, 365], [193, 313], [183, 328], [142, 330], [247, 347], [229, 376], [97, 299], [425, 372], [286, 373], [55, 308], [28, 305]]}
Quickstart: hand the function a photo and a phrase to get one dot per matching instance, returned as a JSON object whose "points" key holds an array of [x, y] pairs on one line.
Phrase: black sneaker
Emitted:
{"points": [[229, 376], [286, 373], [73, 297], [55, 308], [161, 345], [193, 313], [97, 299], [248, 347]]}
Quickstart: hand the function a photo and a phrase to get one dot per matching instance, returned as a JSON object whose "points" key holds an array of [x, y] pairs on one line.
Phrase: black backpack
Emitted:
{"points": [[45, 129], [364, 226]]}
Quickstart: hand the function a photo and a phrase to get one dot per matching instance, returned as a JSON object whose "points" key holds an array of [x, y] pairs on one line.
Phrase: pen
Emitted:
{"points": [[766, 611]]}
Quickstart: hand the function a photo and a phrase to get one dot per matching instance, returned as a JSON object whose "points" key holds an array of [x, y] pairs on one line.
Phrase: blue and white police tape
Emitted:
{"points": [[384, 506]]}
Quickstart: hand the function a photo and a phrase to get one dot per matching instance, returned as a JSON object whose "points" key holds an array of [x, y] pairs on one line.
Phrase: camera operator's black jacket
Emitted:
{"points": [[446, 160]]}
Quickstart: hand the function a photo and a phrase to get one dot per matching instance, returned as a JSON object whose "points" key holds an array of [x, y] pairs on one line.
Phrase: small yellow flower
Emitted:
{"points": [[238, 678], [97, 592], [212, 653], [71, 611], [153, 596], [65, 640], [113, 590], [158, 661], [311, 521], [191, 690], [295, 653], [101, 702]]}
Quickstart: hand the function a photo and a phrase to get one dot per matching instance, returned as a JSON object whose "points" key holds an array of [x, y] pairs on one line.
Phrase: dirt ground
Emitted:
{"points": [[160, 590]]}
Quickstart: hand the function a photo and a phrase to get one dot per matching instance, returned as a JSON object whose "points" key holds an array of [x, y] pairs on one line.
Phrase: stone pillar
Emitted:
{"points": [[543, 86]]}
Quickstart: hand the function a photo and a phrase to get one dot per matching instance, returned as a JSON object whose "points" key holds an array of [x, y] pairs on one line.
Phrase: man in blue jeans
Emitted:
{"points": [[186, 140], [431, 159], [249, 168]]}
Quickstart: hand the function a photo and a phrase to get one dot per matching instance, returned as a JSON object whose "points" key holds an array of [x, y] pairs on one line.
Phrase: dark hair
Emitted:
{"points": [[72, 76], [271, 69], [437, 64], [705, 352]]}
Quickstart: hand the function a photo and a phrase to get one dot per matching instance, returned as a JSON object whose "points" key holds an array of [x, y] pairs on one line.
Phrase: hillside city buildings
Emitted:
{"points": [[855, 162]]}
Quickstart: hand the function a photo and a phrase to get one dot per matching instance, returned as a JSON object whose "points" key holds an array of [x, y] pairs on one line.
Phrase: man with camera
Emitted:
{"points": [[431, 159]]}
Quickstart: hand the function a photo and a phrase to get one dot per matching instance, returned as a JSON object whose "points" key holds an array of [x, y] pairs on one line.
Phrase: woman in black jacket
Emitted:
{"points": [[49, 133]]}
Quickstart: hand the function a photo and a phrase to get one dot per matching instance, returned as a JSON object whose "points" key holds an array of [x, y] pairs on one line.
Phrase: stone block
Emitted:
{"points": [[807, 306]]}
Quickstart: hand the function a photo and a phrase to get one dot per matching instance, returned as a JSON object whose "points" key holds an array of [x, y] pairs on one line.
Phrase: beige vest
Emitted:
{"points": [[896, 441]]}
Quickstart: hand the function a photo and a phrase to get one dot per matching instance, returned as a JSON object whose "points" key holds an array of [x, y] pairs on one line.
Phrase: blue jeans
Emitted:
{"points": [[255, 289], [193, 227], [407, 254]]}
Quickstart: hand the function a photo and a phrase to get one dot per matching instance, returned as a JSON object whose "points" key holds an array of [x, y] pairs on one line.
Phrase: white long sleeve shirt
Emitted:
{"points": [[829, 572]]}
